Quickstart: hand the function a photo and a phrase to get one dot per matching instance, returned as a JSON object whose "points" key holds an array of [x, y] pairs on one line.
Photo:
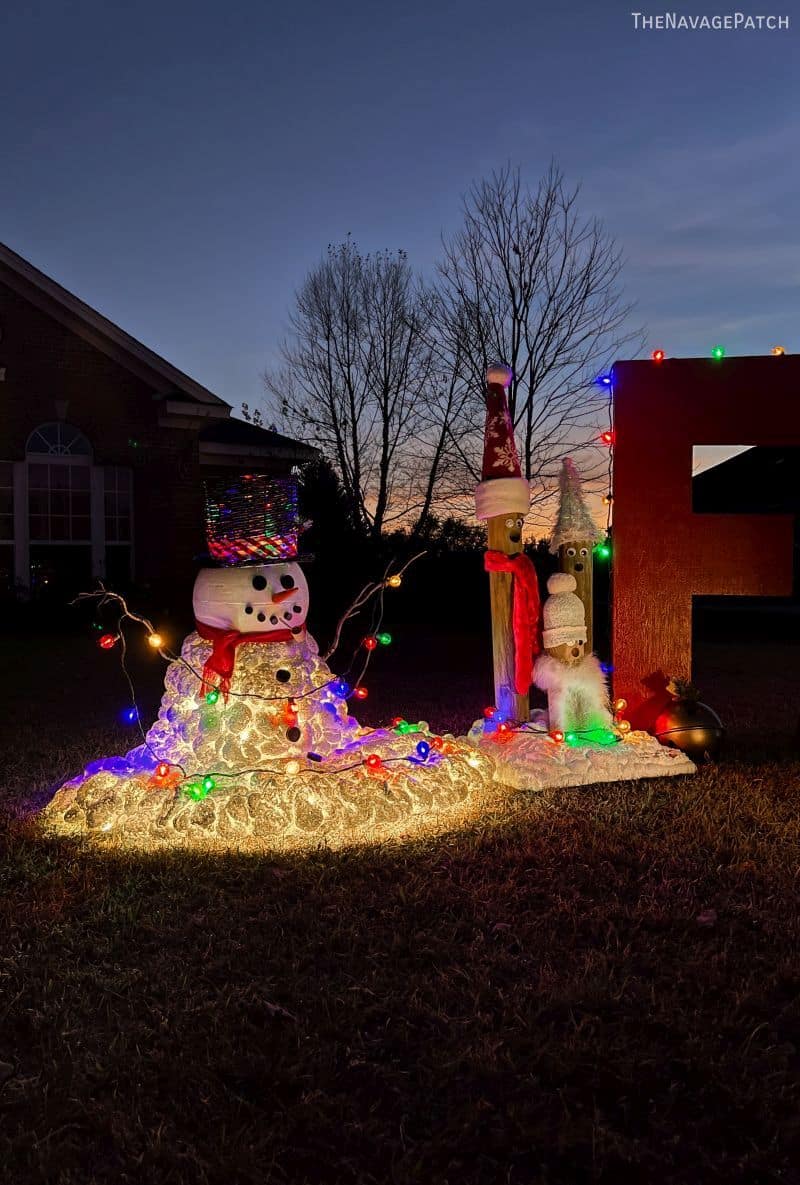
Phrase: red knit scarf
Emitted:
{"points": [[525, 614], [219, 665]]}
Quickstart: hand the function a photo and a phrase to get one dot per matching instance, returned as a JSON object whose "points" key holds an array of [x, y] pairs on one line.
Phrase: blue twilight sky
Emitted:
{"points": [[181, 165]]}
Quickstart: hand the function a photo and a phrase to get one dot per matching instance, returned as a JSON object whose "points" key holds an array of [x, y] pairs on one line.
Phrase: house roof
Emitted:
{"points": [[238, 436], [80, 318]]}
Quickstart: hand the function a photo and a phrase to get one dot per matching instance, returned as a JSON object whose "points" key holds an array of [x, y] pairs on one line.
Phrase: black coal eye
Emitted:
{"points": [[259, 582], [287, 581], [282, 675], [293, 735], [262, 617], [286, 616], [248, 608], [296, 608], [273, 620]]}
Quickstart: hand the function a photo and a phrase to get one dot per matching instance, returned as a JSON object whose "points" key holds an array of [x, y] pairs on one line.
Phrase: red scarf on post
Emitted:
{"points": [[219, 666], [525, 614]]}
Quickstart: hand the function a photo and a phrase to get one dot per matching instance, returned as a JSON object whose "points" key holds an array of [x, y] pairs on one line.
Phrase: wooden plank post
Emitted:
{"points": [[501, 501], [574, 536], [509, 702], [577, 557]]}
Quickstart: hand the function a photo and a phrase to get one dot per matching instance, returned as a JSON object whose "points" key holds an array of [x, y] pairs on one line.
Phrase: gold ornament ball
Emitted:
{"points": [[692, 727]]}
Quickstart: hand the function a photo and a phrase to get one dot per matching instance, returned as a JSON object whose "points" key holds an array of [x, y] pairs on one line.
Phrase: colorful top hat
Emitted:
{"points": [[253, 519]]}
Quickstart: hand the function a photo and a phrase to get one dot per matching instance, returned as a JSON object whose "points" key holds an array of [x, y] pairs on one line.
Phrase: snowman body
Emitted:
{"points": [[258, 598]]}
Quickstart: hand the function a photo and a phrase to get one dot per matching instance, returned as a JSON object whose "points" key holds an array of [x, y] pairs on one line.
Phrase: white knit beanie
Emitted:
{"points": [[563, 614]]}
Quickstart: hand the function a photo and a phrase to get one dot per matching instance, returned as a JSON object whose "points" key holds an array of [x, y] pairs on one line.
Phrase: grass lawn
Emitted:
{"points": [[593, 985]]}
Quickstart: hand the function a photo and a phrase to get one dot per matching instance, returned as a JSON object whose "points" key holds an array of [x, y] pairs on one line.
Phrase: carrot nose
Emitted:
{"points": [[282, 595]]}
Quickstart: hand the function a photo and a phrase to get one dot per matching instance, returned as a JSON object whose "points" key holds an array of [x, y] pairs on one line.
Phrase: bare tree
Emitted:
{"points": [[528, 280], [358, 369], [386, 375]]}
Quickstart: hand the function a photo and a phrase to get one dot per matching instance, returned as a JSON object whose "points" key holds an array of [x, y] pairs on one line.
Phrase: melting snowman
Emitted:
{"points": [[254, 743]]}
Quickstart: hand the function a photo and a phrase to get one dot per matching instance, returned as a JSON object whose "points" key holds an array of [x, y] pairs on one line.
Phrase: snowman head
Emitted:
{"points": [[254, 599]]}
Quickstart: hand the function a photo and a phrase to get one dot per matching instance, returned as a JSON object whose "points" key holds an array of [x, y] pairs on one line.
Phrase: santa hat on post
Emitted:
{"points": [[503, 489]]}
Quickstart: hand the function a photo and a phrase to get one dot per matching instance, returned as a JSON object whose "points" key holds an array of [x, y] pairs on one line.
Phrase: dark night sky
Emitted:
{"points": [[180, 166]]}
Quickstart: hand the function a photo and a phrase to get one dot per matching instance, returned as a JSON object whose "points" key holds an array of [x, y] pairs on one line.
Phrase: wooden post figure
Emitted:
{"points": [[502, 500], [577, 694], [574, 537]]}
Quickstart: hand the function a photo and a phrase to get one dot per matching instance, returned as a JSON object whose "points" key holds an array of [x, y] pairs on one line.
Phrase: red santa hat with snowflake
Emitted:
{"points": [[503, 489]]}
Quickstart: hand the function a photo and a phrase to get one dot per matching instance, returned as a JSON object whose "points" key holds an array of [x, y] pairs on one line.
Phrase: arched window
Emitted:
{"points": [[58, 440], [59, 500]]}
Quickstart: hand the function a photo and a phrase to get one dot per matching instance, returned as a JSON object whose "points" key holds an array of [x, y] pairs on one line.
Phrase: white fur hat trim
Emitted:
{"points": [[566, 635], [502, 495], [498, 372], [563, 614]]}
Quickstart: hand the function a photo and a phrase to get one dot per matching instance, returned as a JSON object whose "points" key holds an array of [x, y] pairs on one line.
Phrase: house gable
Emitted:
{"points": [[77, 316]]}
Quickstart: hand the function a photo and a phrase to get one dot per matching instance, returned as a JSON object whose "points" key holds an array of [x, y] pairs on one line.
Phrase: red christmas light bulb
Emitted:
{"points": [[162, 769], [489, 712], [373, 762], [370, 643], [608, 437], [361, 693], [658, 355], [437, 743], [557, 736], [107, 641]]}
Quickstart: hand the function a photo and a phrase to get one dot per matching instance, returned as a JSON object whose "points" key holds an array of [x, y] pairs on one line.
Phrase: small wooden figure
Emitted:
{"points": [[577, 693]]}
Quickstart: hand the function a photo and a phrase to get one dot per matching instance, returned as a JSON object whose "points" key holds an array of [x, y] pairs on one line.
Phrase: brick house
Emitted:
{"points": [[104, 446]]}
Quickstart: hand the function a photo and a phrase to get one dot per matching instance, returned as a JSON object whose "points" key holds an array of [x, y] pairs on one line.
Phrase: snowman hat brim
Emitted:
{"points": [[207, 560], [502, 495]]}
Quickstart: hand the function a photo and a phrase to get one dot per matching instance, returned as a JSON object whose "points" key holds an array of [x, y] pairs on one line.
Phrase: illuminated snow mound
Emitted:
{"points": [[531, 760], [260, 749]]}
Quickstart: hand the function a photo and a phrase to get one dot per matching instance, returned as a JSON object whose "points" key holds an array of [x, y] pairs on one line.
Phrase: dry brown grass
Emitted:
{"points": [[596, 985]]}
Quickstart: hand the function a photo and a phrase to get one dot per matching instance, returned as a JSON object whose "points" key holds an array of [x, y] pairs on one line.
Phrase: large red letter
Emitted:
{"points": [[663, 553]]}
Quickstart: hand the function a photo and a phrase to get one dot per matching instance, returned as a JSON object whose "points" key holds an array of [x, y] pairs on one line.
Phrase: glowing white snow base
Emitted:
{"points": [[301, 802], [332, 802], [532, 760]]}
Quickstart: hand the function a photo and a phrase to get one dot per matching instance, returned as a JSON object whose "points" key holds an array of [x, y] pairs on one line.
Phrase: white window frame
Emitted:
{"points": [[13, 488], [97, 519]]}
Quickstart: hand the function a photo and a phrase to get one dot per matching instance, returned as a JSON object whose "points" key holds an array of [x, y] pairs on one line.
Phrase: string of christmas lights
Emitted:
{"points": [[503, 731]]}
